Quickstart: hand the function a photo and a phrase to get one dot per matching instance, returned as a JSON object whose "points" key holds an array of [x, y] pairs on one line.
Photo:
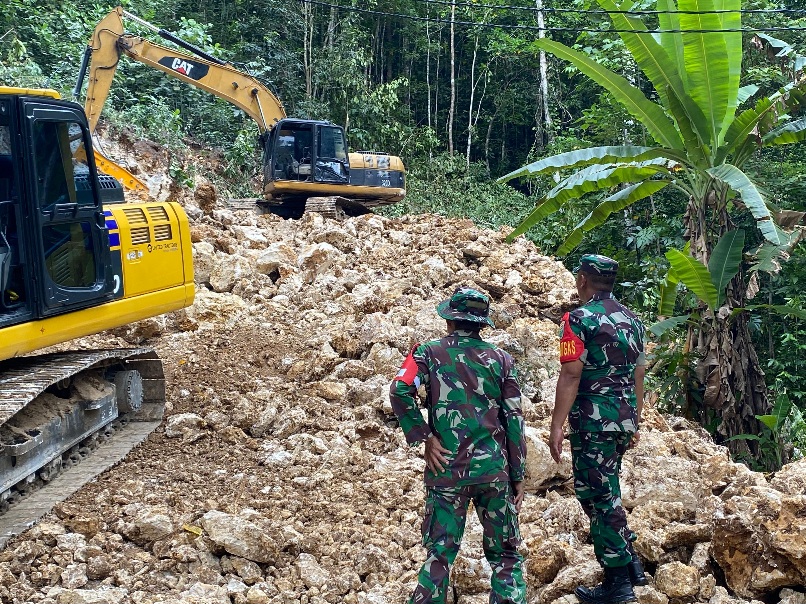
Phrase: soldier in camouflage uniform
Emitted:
{"points": [[600, 390], [474, 447]]}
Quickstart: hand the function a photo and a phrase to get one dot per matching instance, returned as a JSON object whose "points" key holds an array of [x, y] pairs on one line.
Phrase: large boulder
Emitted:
{"points": [[240, 537], [759, 541]]}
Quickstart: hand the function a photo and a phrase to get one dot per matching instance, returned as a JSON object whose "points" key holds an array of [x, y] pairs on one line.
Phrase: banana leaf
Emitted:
{"points": [[779, 309], [791, 132], [695, 142], [651, 115], [726, 258], [733, 40], [706, 60], [745, 92], [615, 203], [742, 126], [780, 411], [668, 294], [655, 62], [694, 275], [661, 327], [587, 180], [768, 258], [751, 197], [672, 42], [584, 157]]}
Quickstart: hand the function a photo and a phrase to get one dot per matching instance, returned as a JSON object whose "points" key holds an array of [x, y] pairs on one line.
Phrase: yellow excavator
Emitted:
{"points": [[74, 261], [306, 163]]}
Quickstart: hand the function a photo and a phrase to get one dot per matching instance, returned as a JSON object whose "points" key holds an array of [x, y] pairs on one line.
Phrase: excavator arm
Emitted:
{"points": [[109, 41]]}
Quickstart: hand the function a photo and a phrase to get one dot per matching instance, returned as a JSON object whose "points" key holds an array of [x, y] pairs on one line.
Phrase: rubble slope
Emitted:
{"points": [[280, 475]]}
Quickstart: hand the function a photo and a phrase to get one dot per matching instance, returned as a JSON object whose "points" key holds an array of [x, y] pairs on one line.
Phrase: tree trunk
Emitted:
{"points": [[428, 69], [307, 11], [330, 38], [436, 79], [544, 79], [452, 107], [728, 370], [487, 140], [470, 122]]}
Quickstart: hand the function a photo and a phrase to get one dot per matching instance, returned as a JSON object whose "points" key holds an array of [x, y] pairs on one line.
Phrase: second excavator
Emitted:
{"points": [[306, 163]]}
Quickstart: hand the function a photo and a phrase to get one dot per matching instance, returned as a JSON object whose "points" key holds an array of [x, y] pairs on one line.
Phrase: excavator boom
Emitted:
{"points": [[109, 41]]}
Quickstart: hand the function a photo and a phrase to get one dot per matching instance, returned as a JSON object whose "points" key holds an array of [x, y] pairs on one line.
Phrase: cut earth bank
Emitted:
{"points": [[280, 476]]}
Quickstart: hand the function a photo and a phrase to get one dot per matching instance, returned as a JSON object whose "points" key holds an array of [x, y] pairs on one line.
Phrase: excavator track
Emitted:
{"points": [[337, 207], [56, 409], [326, 206]]}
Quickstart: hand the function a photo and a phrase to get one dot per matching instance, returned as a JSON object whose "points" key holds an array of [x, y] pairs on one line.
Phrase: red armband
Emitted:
{"points": [[408, 370], [571, 347]]}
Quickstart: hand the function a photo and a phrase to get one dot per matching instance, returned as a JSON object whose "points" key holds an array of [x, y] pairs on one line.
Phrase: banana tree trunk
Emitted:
{"points": [[730, 376], [735, 391]]}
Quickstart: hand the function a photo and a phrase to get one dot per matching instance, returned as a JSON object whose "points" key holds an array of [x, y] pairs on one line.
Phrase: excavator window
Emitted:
{"points": [[302, 153], [292, 154], [12, 284], [69, 254], [68, 244], [332, 144], [54, 143], [332, 158]]}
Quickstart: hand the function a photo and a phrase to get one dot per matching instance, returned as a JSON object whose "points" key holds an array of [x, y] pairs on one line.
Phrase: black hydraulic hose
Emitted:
{"points": [[82, 72], [188, 46]]}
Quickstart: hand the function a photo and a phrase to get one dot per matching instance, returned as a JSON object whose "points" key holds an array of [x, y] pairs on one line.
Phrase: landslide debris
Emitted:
{"points": [[280, 475]]}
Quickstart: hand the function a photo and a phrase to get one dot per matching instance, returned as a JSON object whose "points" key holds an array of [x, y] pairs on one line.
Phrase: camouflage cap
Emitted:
{"points": [[466, 304], [594, 264]]}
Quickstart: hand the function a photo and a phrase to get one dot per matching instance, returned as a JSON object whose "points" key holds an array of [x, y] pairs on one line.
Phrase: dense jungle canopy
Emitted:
{"points": [[461, 92]]}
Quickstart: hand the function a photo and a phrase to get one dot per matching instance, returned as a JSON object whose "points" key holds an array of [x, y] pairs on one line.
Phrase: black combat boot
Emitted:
{"points": [[616, 588], [635, 568]]}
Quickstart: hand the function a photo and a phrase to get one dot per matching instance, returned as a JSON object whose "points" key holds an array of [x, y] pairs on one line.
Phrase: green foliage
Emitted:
{"points": [[694, 275], [726, 260], [661, 327], [153, 119], [16, 65], [448, 187], [242, 163], [673, 377], [702, 148], [784, 424], [182, 176]]}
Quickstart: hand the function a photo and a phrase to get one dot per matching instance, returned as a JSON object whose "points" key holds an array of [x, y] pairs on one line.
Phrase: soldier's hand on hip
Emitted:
{"points": [[434, 455]]}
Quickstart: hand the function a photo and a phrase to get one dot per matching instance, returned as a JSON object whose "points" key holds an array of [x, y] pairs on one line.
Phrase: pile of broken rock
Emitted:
{"points": [[280, 476]]}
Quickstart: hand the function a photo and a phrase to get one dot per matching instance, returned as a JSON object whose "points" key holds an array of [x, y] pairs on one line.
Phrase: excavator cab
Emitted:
{"points": [[54, 251], [306, 151]]}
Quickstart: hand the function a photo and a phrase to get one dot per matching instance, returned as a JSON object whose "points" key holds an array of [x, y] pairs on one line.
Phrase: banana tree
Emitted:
{"points": [[693, 61]]}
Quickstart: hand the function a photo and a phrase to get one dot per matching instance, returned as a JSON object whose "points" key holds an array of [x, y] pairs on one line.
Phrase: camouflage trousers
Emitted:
{"points": [[596, 460], [443, 527]]}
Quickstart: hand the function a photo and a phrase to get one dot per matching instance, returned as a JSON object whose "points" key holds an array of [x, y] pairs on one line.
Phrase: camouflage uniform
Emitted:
{"points": [[473, 405], [609, 340]]}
